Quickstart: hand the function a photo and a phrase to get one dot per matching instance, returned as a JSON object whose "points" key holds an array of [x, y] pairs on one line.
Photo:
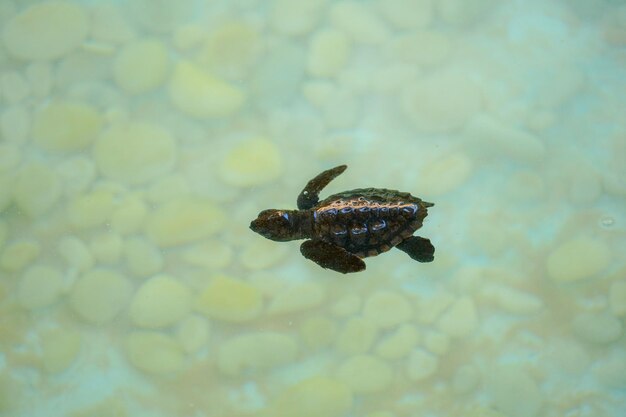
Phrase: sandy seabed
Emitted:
{"points": [[138, 139]]}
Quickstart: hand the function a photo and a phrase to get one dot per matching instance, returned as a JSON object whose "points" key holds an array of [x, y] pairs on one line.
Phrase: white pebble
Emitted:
{"points": [[141, 66], [15, 123], [328, 53], [399, 343], [66, 126], [106, 248], [356, 336], [155, 352], [160, 302], [46, 30], [598, 328], [460, 319], [256, 351], [359, 21], [387, 309], [296, 298], [39, 76], [617, 298], [427, 48], [77, 174], [347, 305], [212, 254], [295, 17], [129, 216], [437, 342], [445, 174], [60, 347], [192, 333], [75, 253], [365, 374], [19, 254], [261, 254], [577, 259], [202, 95], [109, 24], [149, 151], [252, 162], [513, 300], [496, 139], [91, 209], [232, 49], [407, 14], [37, 189], [10, 158], [39, 286], [100, 295], [184, 221], [514, 392], [14, 87], [442, 102], [421, 365], [465, 380], [142, 257]]}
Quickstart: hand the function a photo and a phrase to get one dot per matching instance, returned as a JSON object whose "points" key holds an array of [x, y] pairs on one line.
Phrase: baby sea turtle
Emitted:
{"points": [[349, 226]]}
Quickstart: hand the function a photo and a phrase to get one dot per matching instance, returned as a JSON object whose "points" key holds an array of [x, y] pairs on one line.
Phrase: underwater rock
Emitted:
{"points": [[141, 66], [328, 53], [154, 352], [75, 253], [46, 31], [617, 298], [148, 151], [106, 247], [460, 319], [399, 343], [297, 297], [356, 336], [91, 209], [66, 126], [387, 309], [421, 365], [295, 17], [160, 302], [202, 95], [407, 14], [598, 328], [142, 257], [39, 286], [37, 189], [230, 300], [442, 102], [254, 352], [183, 221], [365, 374], [578, 259], [19, 254], [317, 396], [193, 333], [60, 347], [252, 162], [358, 21], [100, 295]]}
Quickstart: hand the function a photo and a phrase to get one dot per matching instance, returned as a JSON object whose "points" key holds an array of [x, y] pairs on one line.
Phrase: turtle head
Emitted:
{"points": [[279, 225]]}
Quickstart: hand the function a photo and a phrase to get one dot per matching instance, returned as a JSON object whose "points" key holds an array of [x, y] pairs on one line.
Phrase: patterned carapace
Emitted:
{"points": [[349, 226]]}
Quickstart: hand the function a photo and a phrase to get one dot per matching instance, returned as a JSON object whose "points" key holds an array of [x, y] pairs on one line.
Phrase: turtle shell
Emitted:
{"points": [[368, 221]]}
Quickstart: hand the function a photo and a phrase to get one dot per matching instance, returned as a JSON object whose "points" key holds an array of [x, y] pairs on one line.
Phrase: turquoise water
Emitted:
{"points": [[139, 139]]}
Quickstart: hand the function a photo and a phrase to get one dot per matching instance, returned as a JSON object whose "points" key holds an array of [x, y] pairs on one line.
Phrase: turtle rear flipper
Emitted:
{"points": [[418, 248], [331, 256], [309, 197]]}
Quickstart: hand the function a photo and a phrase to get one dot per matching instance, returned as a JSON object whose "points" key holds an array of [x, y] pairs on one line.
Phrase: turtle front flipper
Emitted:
{"points": [[310, 195], [418, 248], [331, 256]]}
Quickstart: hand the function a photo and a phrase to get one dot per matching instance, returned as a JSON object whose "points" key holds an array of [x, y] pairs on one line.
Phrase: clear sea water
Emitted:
{"points": [[138, 140]]}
